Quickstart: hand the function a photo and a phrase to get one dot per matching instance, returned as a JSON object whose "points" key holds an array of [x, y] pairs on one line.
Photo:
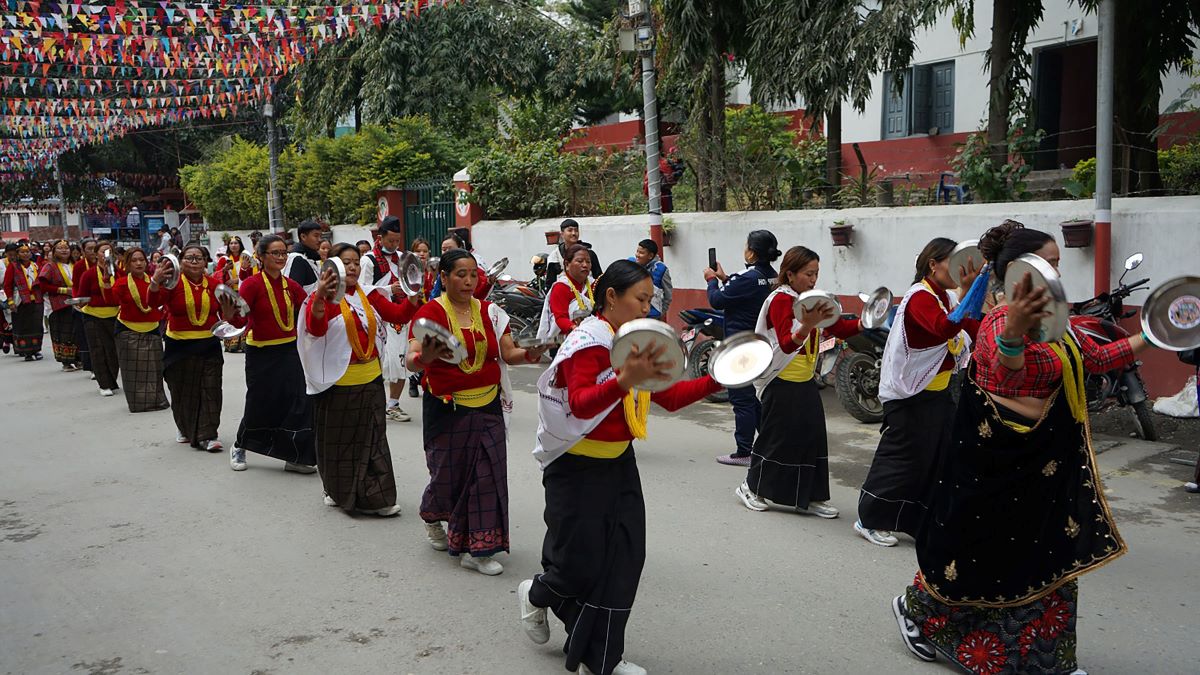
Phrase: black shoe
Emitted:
{"points": [[29, 357], [414, 390], [918, 645], [37, 357]]}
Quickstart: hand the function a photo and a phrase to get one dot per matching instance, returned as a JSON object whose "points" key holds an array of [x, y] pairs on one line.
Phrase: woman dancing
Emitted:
{"points": [[25, 300], [340, 345], [923, 350], [588, 417], [100, 321], [139, 346], [55, 281], [571, 297], [1018, 510], [464, 419]]}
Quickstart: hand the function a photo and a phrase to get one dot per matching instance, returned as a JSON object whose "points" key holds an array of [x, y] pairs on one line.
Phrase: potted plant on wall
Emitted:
{"points": [[668, 230], [1077, 233], [553, 237], [842, 233]]}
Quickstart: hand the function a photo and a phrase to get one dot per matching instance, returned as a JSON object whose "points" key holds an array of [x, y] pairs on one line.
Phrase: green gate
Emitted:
{"points": [[432, 216]]}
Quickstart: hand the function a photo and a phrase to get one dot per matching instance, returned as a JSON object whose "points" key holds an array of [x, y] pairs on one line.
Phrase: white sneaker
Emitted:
{"points": [[437, 536], [93, 377], [533, 619], [622, 668], [749, 499], [106, 392], [299, 468], [237, 459], [877, 537], [385, 512], [821, 510], [329, 501], [484, 565], [395, 414], [180, 438]]}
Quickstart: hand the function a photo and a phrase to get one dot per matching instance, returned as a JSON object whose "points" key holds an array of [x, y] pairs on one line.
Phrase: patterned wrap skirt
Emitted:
{"points": [[102, 345], [593, 554], [352, 447], [467, 457], [192, 370], [62, 335], [790, 461], [278, 417], [896, 494], [85, 351], [27, 329], [141, 356]]}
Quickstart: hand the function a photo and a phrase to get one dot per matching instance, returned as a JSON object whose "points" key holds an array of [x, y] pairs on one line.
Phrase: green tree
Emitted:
{"points": [[230, 189]]}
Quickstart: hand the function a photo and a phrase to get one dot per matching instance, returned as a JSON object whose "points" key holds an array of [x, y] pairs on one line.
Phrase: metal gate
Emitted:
{"points": [[432, 216]]}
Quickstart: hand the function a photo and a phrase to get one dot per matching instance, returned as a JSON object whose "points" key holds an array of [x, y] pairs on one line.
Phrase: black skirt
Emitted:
{"points": [[81, 343], [27, 329], [895, 495], [62, 335], [593, 554], [790, 462], [278, 418], [192, 370], [352, 447], [102, 343], [141, 356]]}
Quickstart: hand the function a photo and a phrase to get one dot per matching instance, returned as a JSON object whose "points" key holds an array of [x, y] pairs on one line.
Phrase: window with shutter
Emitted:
{"points": [[925, 105], [895, 111]]}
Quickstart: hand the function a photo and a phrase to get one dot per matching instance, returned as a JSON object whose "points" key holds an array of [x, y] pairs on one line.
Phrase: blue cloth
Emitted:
{"points": [[747, 411], [436, 291], [742, 296], [657, 272]]}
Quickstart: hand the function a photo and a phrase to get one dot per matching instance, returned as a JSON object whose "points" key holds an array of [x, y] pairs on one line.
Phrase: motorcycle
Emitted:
{"points": [[857, 373], [522, 302], [698, 324], [1098, 321]]}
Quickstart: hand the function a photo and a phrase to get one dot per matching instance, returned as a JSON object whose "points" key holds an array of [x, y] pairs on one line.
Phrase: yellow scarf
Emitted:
{"points": [[579, 298], [635, 405], [477, 329], [1072, 365], [956, 343], [190, 301], [65, 271], [100, 280], [361, 352], [137, 297], [286, 324]]}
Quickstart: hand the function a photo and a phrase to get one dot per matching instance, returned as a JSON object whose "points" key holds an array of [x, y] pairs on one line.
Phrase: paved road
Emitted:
{"points": [[122, 552]]}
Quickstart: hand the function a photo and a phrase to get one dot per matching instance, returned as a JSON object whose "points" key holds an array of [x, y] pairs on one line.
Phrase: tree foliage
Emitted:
{"points": [[230, 188]]}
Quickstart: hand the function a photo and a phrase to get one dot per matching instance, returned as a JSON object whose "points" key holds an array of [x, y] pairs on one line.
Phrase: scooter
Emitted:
{"points": [[703, 328], [1098, 321]]}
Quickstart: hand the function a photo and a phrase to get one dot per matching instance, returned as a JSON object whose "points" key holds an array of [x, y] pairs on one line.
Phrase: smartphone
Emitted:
{"points": [[712, 258]]}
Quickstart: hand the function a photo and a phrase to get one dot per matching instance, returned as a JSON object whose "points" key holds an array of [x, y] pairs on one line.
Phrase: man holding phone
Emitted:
{"points": [[647, 256]]}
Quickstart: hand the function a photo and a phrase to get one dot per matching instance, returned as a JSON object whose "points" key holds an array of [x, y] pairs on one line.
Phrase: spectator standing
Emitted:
{"points": [[647, 256], [570, 236]]}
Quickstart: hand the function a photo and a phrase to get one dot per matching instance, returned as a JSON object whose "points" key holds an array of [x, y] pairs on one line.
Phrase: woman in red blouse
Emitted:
{"points": [[340, 346], [79, 269], [1018, 511], [25, 300], [924, 349], [789, 465], [570, 297], [192, 360], [232, 269], [464, 418], [277, 420], [588, 416], [100, 321], [55, 281], [420, 248], [139, 346]]}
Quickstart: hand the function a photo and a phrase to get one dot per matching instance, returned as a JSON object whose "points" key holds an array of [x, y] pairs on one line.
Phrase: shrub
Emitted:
{"points": [[1179, 167], [1082, 183]]}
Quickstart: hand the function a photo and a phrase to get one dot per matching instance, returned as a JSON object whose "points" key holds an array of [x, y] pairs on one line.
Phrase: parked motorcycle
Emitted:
{"points": [[523, 304], [857, 374], [1125, 385], [703, 328]]}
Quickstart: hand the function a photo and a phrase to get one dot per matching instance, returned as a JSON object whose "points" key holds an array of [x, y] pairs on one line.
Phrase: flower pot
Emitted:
{"points": [[666, 236], [843, 235], [1077, 233], [553, 237]]}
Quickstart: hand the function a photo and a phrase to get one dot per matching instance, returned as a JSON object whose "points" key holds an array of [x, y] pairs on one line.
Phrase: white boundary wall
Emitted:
{"points": [[886, 240]]}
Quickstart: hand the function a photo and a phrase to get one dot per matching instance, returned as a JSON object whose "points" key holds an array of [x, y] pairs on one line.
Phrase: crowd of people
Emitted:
{"points": [[1003, 524]]}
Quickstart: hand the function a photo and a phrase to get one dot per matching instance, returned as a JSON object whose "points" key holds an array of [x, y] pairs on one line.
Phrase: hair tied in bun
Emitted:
{"points": [[992, 241]]}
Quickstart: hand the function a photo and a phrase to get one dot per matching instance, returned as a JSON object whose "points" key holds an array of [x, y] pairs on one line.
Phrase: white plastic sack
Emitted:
{"points": [[1182, 404]]}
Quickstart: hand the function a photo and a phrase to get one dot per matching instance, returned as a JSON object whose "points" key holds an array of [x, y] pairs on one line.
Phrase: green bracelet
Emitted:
{"points": [[1011, 351], [1147, 340]]}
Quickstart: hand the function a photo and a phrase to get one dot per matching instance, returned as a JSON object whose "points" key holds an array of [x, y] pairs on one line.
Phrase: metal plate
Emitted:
{"points": [[172, 279], [497, 268], [1171, 315], [534, 343], [77, 302], [965, 252], [435, 263], [1054, 326], [339, 268], [877, 308], [110, 263], [223, 291], [740, 359], [227, 331], [810, 300], [412, 275], [646, 332], [424, 328]]}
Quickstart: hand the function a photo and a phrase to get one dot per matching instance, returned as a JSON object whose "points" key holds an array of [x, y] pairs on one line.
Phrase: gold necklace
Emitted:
{"points": [[480, 341], [190, 302], [288, 324]]}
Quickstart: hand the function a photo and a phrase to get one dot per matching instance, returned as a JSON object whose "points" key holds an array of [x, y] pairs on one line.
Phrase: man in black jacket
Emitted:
{"points": [[304, 259], [570, 236]]}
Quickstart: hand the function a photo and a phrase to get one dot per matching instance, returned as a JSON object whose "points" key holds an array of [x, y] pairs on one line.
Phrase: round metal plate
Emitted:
{"points": [[876, 308], [424, 328], [339, 268], [435, 263], [172, 279], [534, 343], [497, 268], [227, 331], [223, 291], [643, 333], [77, 302], [412, 275], [110, 263], [965, 252], [1171, 315], [1054, 326], [740, 359], [811, 300]]}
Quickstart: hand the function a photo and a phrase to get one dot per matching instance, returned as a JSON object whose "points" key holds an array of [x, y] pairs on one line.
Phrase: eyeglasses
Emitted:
{"points": [[278, 254], [193, 259]]}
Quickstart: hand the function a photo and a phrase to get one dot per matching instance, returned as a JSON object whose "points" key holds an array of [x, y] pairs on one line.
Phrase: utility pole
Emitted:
{"points": [[62, 201], [274, 205], [643, 34], [1105, 49]]}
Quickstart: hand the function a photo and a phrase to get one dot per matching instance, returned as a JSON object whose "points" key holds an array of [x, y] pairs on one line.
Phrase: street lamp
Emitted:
{"points": [[642, 41]]}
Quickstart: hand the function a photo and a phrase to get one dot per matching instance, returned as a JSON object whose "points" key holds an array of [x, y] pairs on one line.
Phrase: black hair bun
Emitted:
{"points": [[992, 241]]}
